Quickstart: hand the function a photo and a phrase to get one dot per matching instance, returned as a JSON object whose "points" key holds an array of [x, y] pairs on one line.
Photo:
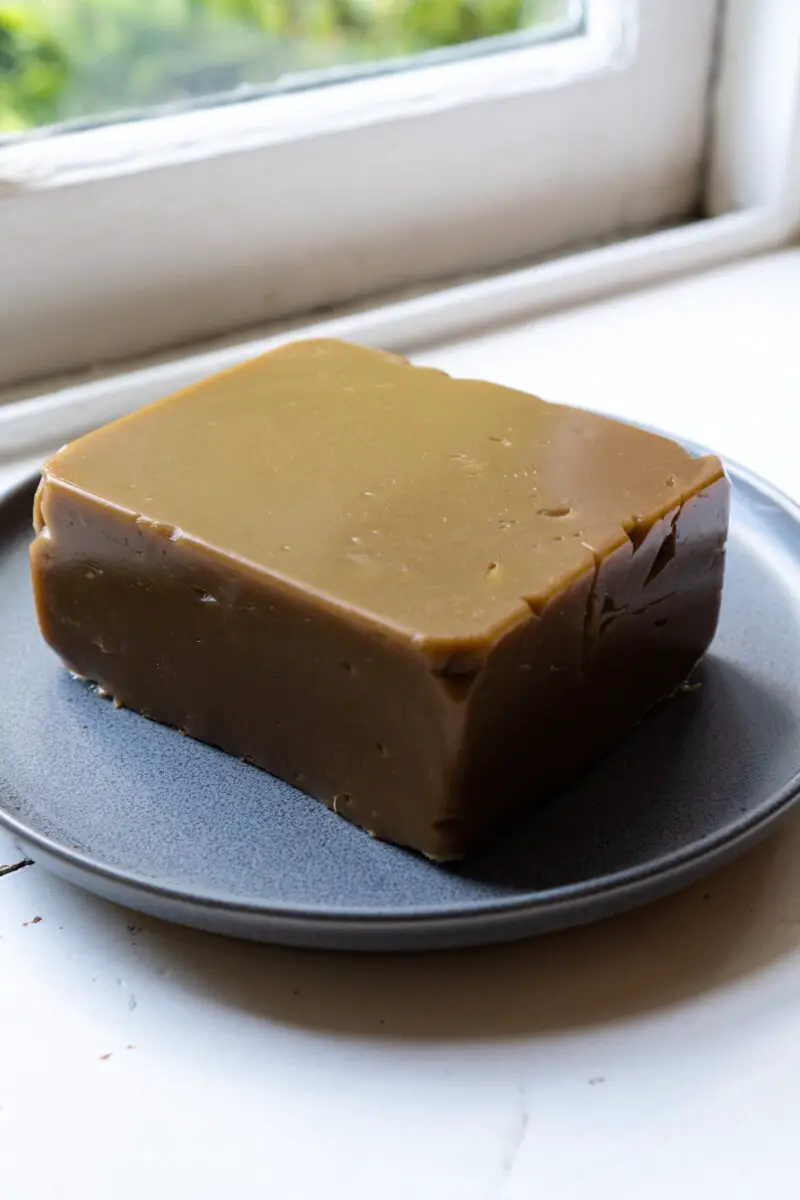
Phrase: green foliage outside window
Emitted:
{"points": [[67, 59]]}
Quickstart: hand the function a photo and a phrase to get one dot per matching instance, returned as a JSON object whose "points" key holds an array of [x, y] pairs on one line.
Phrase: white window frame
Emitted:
{"points": [[751, 203], [120, 241]]}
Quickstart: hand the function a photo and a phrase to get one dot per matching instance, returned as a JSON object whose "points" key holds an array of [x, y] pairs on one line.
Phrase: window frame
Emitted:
{"points": [[432, 174]]}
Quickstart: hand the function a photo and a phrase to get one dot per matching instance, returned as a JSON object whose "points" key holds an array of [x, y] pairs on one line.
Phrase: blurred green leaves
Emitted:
{"points": [[33, 69], [450, 22], [62, 59]]}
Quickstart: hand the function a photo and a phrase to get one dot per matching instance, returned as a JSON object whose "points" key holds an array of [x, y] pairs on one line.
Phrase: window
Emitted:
{"points": [[93, 60], [214, 218]]}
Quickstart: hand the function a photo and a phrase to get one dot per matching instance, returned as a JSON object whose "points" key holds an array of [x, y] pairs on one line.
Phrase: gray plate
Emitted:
{"points": [[133, 811]]}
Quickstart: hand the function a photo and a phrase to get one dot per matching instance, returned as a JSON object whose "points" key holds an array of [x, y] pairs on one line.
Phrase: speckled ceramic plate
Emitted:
{"points": [[133, 811]]}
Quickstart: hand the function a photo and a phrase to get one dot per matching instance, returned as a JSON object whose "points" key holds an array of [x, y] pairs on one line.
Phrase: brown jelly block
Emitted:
{"points": [[427, 602]]}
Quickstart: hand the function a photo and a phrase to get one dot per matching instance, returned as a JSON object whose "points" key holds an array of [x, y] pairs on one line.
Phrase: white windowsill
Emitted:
{"points": [[68, 407], [751, 305]]}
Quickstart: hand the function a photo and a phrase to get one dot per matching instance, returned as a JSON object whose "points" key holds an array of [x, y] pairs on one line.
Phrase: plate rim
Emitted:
{"points": [[556, 901]]}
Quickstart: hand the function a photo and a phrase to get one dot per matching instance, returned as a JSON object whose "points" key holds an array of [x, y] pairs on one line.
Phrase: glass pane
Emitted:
{"points": [[87, 60]]}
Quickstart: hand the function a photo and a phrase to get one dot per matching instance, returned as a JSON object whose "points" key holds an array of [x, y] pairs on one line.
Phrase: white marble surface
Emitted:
{"points": [[654, 1056]]}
